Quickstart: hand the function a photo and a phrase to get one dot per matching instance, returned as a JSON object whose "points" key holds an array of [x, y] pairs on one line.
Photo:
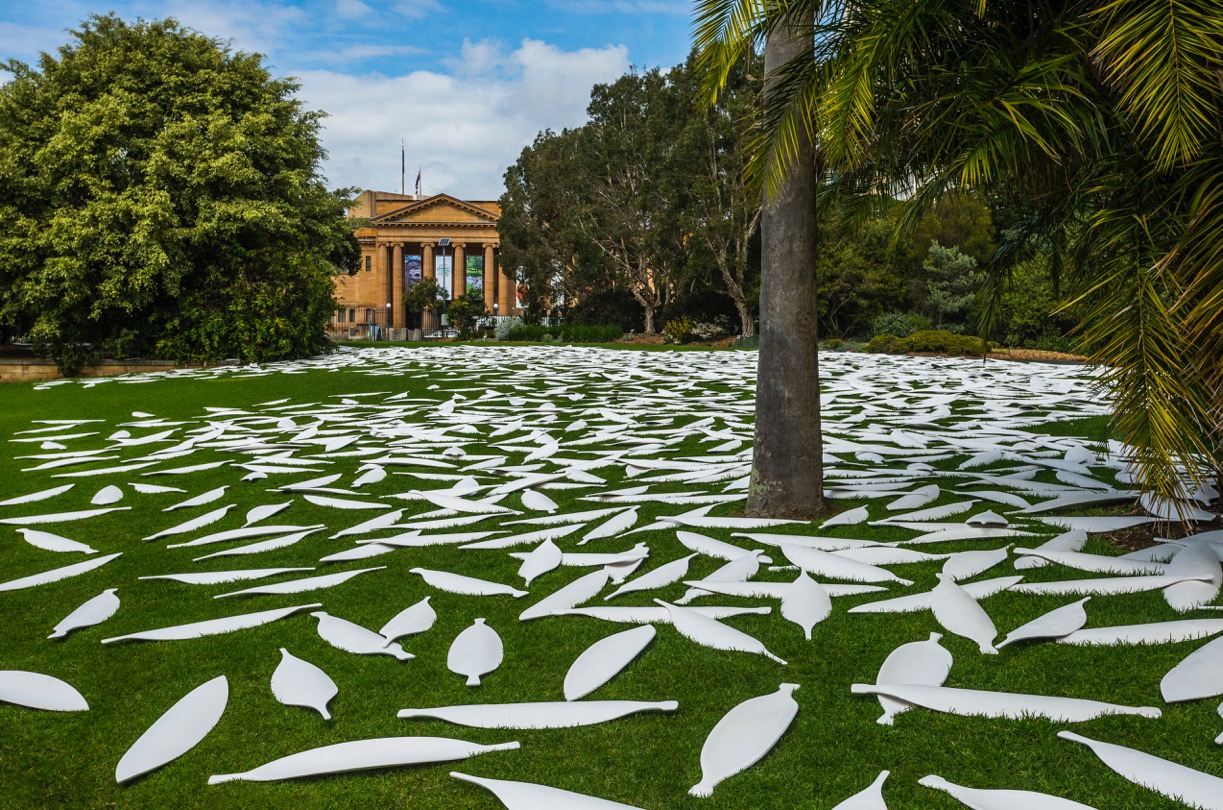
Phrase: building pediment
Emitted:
{"points": [[440, 209]]}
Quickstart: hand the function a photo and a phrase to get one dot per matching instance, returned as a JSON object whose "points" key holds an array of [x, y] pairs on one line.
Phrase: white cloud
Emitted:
{"points": [[355, 53], [352, 9], [416, 9], [253, 27], [464, 129]]}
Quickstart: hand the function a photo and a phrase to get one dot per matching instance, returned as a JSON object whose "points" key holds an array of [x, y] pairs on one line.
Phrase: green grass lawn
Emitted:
{"points": [[833, 750]]}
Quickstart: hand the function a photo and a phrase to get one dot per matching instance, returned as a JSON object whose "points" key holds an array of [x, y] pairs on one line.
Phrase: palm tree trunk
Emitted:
{"points": [[787, 469]]}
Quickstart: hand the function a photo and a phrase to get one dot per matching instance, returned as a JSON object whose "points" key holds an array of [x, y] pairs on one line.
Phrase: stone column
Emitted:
{"points": [[427, 268], [397, 319], [458, 278], [490, 278], [508, 291], [381, 280]]}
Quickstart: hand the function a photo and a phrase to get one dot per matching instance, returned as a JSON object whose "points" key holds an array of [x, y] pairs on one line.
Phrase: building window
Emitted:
{"points": [[352, 315], [369, 263]]}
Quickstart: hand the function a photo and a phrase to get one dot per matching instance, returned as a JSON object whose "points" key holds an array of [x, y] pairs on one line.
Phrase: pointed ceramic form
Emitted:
{"points": [[806, 603], [538, 502], [1197, 677], [1001, 799], [960, 614], [1152, 633], [199, 500], [828, 564], [528, 796], [575, 593], [869, 799], [1073, 540], [61, 517], [301, 585], [967, 564], [851, 517], [1187, 785], [409, 622], [466, 586], [1197, 560], [344, 503], [363, 755], [915, 499], [1013, 706], [919, 662], [266, 511], [612, 527], [711, 633], [739, 569], [744, 735], [93, 612], [476, 652], [53, 542], [193, 524], [987, 518], [244, 533], [354, 638], [221, 577], [1057, 623], [1100, 586], [181, 728], [539, 715], [212, 627], [713, 548], [56, 574], [546, 557], [660, 577], [660, 615], [604, 660], [1094, 563], [261, 546], [34, 497], [300, 683], [37, 691]]}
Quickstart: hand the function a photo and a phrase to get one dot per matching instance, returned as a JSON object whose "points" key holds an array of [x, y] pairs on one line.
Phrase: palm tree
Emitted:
{"points": [[1104, 117]]}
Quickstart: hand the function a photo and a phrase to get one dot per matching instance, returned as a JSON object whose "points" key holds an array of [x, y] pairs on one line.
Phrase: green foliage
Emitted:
{"points": [[953, 283], [568, 333], [1027, 316], [162, 194], [506, 326], [424, 294], [936, 341], [465, 312], [887, 344], [677, 330], [610, 306], [900, 324]]}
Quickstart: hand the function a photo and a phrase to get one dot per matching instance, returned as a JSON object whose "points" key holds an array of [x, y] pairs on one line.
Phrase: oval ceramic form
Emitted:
{"points": [[354, 638], [212, 627], [743, 736], [711, 633], [1057, 623], [539, 715], [300, 683], [806, 603], [53, 542], [967, 564], [960, 614], [538, 502], [361, 755], [95, 611], [176, 732], [265, 511], [476, 652], [604, 660], [921, 662], [1010, 705], [915, 499], [544, 558], [660, 577], [850, 517], [1001, 799], [529, 796], [56, 574], [107, 495], [466, 586], [869, 799], [410, 621], [1175, 781], [613, 526], [37, 691]]}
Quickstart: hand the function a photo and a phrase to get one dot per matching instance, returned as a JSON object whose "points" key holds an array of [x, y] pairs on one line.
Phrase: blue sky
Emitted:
{"points": [[466, 85]]}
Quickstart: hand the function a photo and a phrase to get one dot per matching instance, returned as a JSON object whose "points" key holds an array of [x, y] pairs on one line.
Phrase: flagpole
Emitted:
{"points": [[402, 168]]}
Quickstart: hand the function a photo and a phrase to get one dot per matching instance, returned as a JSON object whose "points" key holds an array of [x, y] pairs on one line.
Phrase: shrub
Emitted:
{"points": [[749, 342], [610, 307], [833, 344], [944, 342], [527, 332], [898, 324], [715, 329], [887, 344], [677, 330], [592, 333], [507, 325]]}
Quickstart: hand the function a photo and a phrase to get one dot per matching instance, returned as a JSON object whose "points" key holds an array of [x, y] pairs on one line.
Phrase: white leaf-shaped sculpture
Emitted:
{"points": [[300, 683], [476, 651], [181, 728], [737, 570], [344, 503], [538, 502], [1151, 633], [1219, 739], [529, 796], [1056, 623], [219, 577], [869, 799], [62, 517], [34, 497], [539, 715], [199, 500], [575, 593], [612, 527], [410, 621], [53, 542], [1187, 785], [263, 545], [660, 615], [212, 627], [373, 475], [806, 603], [851, 517], [1010, 705], [544, 558], [828, 564], [714, 548], [265, 511], [362, 755], [463, 504], [95, 611], [915, 499], [711, 633], [1198, 676], [527, 538], [967, 564], [301, 585], [466, 586], [776, 590], [920, 662], [1200, 561], [1094, 563], [375, 523], [243, 534], [56, 574], [193, 524], [1100, 586], [1073, 540], [889, 555], [604, 659], [354, 638], [154, 489], [1001, 799], [660, 577], [107, 495], [37, 691], [744, 735], [960, 614], [987, 518]]}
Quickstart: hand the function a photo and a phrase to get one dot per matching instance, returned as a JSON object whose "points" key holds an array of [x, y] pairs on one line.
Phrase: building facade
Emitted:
{"points": [[408, 238]]}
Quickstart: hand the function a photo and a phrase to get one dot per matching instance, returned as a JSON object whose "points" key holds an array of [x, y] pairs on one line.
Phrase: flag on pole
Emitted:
{"points": [[418, 181], [403, 167]]}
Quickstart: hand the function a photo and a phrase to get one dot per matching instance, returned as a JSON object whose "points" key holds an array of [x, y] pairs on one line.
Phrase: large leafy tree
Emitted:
{"points": [[1103, 116], [161, 195]]}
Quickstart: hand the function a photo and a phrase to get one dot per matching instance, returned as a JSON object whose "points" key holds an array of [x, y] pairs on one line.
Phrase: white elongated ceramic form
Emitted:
{"points": [[212, 627], [987, 518], [1198, 676], [34, 497], [107, 495], [889, 555], [920, 662], [199, 500], [960, 614], [570, 596], [300, 683], [410, 621], [660, 615], [806, 541], [475, 652], [828, 564], [200, 522], [539, 715], [375, 523], [967, 564], [1073, 540], [37, 691], [544, 558], [301, 585], [1010, 705], [1170, 779], [261, 546], [243, 534], [95, 611], [181, 728], [354, 638], [605, 659], [1197, 560], [265, 511], [538, 502], [61, 517], [737, 570], [915, 499], [1100, 586], [743, 736], [660, 577], [363, 755], [869, 799], [695, 626], [1057, 623], [1095, 563], [774, 590], [530, 796], [220, 577], [1001, 799], [527, 538], [344, 503], [56, 574], [465, 585], [713, 548], [53, 542], [1151, 633], [850, 517], [154, 489], [613, 526], [806, 603]]}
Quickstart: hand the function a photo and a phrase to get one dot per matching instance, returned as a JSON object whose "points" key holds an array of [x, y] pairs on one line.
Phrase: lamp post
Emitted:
{"points": [[388, 320]]}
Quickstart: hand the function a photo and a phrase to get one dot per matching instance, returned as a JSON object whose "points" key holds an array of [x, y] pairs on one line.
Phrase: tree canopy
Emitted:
{"points": [[161, 195]]}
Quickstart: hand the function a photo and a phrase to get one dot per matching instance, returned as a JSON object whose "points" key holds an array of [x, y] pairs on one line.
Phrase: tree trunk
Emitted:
{"points": [[649, 319], [787, 469]]}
